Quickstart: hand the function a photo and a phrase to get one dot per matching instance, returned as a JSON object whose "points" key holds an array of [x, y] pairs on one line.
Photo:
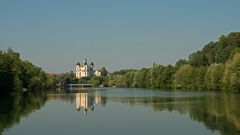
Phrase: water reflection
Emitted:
{"points": [[14, 107], [218, 112], [86, 101]]}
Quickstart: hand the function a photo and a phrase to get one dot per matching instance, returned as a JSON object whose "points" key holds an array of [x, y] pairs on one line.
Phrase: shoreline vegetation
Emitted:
{"points": [[216, 67], [17, 75]]}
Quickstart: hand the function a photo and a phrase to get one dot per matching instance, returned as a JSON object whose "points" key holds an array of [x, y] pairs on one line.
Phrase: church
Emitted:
{"points": [[85, 70]]}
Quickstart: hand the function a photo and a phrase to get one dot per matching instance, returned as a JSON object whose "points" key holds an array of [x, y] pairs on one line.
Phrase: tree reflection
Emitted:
{"points": [[217, 111], [13, 107]]}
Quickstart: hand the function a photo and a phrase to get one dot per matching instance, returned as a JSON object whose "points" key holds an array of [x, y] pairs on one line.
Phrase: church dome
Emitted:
{"points": [[85, 61]]}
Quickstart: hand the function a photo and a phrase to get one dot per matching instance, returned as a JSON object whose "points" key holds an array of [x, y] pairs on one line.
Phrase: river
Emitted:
{"points": [[119, 111]]}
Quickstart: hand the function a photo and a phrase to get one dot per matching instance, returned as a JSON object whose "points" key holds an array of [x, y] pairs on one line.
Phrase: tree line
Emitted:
{"points": [[216, 67], [18, 75]]}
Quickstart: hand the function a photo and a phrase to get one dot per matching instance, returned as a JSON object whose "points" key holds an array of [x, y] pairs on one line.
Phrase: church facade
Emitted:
{"points": [[85, 70]]}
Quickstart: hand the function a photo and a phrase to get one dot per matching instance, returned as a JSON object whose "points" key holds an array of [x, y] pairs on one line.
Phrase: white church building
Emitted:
{"points": [[85, 70]]}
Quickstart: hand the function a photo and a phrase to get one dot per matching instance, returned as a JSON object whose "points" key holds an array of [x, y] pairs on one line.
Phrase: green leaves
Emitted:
{"points": [[218, 52], [231, 79], [16, 74], [217, 77], [213, 77], [157, 76], [215, 67]]}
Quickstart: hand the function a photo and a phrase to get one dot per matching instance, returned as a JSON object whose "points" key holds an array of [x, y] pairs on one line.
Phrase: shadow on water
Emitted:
{"points": [[217, 111], [13, 107]]}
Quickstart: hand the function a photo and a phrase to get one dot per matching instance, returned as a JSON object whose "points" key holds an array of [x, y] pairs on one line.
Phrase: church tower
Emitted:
{"points": [[78, 70]]}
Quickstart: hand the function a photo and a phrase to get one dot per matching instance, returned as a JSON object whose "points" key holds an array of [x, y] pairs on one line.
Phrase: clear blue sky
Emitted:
{"points": [[117, 34]]}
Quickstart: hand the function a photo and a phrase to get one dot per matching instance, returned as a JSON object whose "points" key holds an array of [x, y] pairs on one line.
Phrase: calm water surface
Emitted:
{"points": [[120, 111]]}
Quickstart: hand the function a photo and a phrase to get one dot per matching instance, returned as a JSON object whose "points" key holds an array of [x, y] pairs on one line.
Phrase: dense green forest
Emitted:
{"points": [[17, 75], [215, 67]]}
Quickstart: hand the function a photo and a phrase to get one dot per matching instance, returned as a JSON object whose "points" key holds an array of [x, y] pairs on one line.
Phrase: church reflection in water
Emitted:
{"points": [[87, 101]]}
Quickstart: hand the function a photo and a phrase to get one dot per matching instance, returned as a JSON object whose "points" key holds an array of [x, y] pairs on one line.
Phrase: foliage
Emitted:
{"points": [[16, 74], [215, 67], [231, 78], [180, 62], [157, 76], [103, 71], [218, 52], [213, 77]]}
